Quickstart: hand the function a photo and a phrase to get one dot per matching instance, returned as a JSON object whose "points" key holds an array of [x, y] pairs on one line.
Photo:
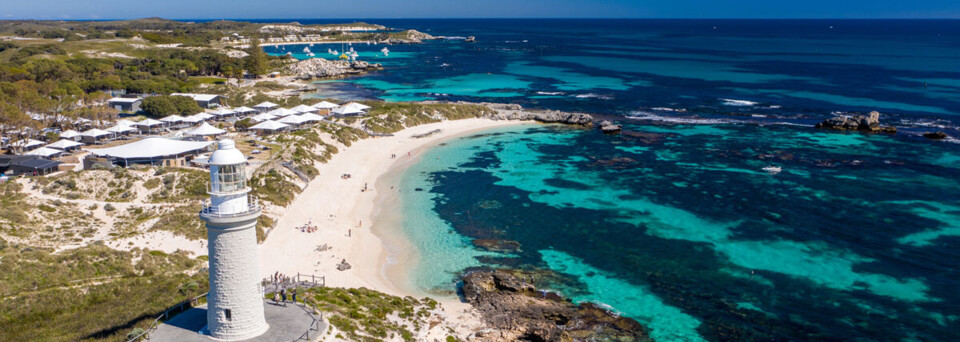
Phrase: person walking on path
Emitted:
{"points": [[283, 295], [294, 293]]}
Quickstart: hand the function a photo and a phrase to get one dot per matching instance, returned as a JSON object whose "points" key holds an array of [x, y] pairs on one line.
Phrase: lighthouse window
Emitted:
{"points": [[231, 178], [228, 314]]}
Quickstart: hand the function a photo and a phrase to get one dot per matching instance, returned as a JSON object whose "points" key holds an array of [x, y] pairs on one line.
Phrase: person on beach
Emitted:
{"points": [[276, 298], [349, 232]]}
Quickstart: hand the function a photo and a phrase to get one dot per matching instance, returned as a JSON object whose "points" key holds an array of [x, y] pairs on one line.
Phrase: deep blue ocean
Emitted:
{"points": [[674, 223]]}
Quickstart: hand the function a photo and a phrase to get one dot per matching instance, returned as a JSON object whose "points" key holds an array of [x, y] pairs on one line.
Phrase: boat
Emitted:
{"points": [[306, 50], [772, 169], [289, 53], [470, 39], [311, 54], [354, 55], [385, 50]]}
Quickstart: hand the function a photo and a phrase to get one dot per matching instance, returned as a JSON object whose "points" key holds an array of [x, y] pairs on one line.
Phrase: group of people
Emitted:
{"points": [[281, 297], [308, 228]]}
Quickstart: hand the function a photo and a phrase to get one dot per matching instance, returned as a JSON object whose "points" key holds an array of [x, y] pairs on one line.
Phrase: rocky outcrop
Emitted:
{"points": [[343, 265], [935, 135], [609, 127], [321, 68], [408, 37], [868, 123], [547, 116], [517, 311]]}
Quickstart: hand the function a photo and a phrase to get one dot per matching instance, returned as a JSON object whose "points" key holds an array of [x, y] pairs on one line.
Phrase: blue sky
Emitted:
{"points": [[253, 9]]}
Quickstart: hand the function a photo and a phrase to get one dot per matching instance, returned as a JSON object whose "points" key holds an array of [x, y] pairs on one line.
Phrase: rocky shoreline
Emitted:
{"points": [[516, 310], [323, 68], [504, 111]]}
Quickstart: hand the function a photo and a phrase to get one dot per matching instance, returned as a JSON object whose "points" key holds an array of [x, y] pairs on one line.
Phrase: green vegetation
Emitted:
{"points": [[388, 117], [161, 106], [90, 292], [362, 314]]}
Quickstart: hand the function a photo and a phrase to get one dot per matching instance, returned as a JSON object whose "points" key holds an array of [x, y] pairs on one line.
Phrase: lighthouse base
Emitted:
{"points": [[284, 324]]}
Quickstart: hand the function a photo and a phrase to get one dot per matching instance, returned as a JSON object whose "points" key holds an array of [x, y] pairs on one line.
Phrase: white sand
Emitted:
{"points": [[337, 205]]}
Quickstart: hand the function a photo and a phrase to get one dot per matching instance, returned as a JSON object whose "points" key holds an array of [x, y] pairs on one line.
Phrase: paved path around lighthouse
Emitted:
{"points": [[286, 324]]}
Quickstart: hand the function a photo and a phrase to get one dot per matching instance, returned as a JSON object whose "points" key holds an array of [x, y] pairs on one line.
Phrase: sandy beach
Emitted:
{"points": [[345, 214]]}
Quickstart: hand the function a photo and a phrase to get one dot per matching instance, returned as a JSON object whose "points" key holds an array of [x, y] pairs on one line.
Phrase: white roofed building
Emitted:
{"points": [[153, 151], [265, 106]]}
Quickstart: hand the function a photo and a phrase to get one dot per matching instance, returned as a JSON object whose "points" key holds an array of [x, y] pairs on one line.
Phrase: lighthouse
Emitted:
{"points": [[235, 301]]}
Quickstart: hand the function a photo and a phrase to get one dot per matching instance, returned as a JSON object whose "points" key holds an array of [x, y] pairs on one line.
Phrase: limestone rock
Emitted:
{"points": [[547, 116], [320, 68], [869, 123], [343, 265], [935, 135], [609, 127], [519, 312]]}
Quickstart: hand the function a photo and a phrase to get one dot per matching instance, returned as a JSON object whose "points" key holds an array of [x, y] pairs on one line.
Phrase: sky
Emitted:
{"points": [[359, 9]]}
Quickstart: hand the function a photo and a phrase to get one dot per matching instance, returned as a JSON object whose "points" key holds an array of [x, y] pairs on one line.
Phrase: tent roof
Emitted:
{"points": [[44, 152], [325, 105], [266, 104], [149, 122], [69, 134], [205, 129], [95, 133], [292, 120], [222, 112], [28, 143], [269, 125], [197, 97], [350, 108], [172, 118], [120, 129], [308, 117], [151, 148], [303, 109], [126, 122], [244, 110], [64, 144], [281, 112], [263, 117]]}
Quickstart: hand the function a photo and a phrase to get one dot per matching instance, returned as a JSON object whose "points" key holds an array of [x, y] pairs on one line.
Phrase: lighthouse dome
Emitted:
{"points": [[227, 154]]}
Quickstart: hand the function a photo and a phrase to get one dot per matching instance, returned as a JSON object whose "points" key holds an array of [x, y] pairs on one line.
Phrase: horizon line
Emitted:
{"points": [[481, 18]]}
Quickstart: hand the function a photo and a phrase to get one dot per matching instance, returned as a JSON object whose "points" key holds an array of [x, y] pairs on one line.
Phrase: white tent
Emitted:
{"points": [[149, 123], [193, 119], [304, 109], [95, 133], [281, 112], [310, 117], [28, 144], [64, 144], [269, 125], [70, 134], [325, 105], [244, 110], [351, 108], [222, 112], [126, 122], [203, 116], [151, 149], [205, 129], [120, 129], [263, 117], [358, 105], [44, 152], [265, 106], [292, 120], [172, 119]]}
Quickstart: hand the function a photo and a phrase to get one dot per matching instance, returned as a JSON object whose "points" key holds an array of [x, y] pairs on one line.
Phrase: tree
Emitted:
{"points": [[256, 61], [162, 106]]}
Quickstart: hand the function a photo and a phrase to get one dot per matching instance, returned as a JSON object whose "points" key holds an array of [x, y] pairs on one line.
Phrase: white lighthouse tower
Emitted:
{"points": [[235, 301]]}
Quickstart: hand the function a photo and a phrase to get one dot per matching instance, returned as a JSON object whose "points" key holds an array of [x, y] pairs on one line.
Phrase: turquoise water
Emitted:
{"points": [[687, 235]]}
